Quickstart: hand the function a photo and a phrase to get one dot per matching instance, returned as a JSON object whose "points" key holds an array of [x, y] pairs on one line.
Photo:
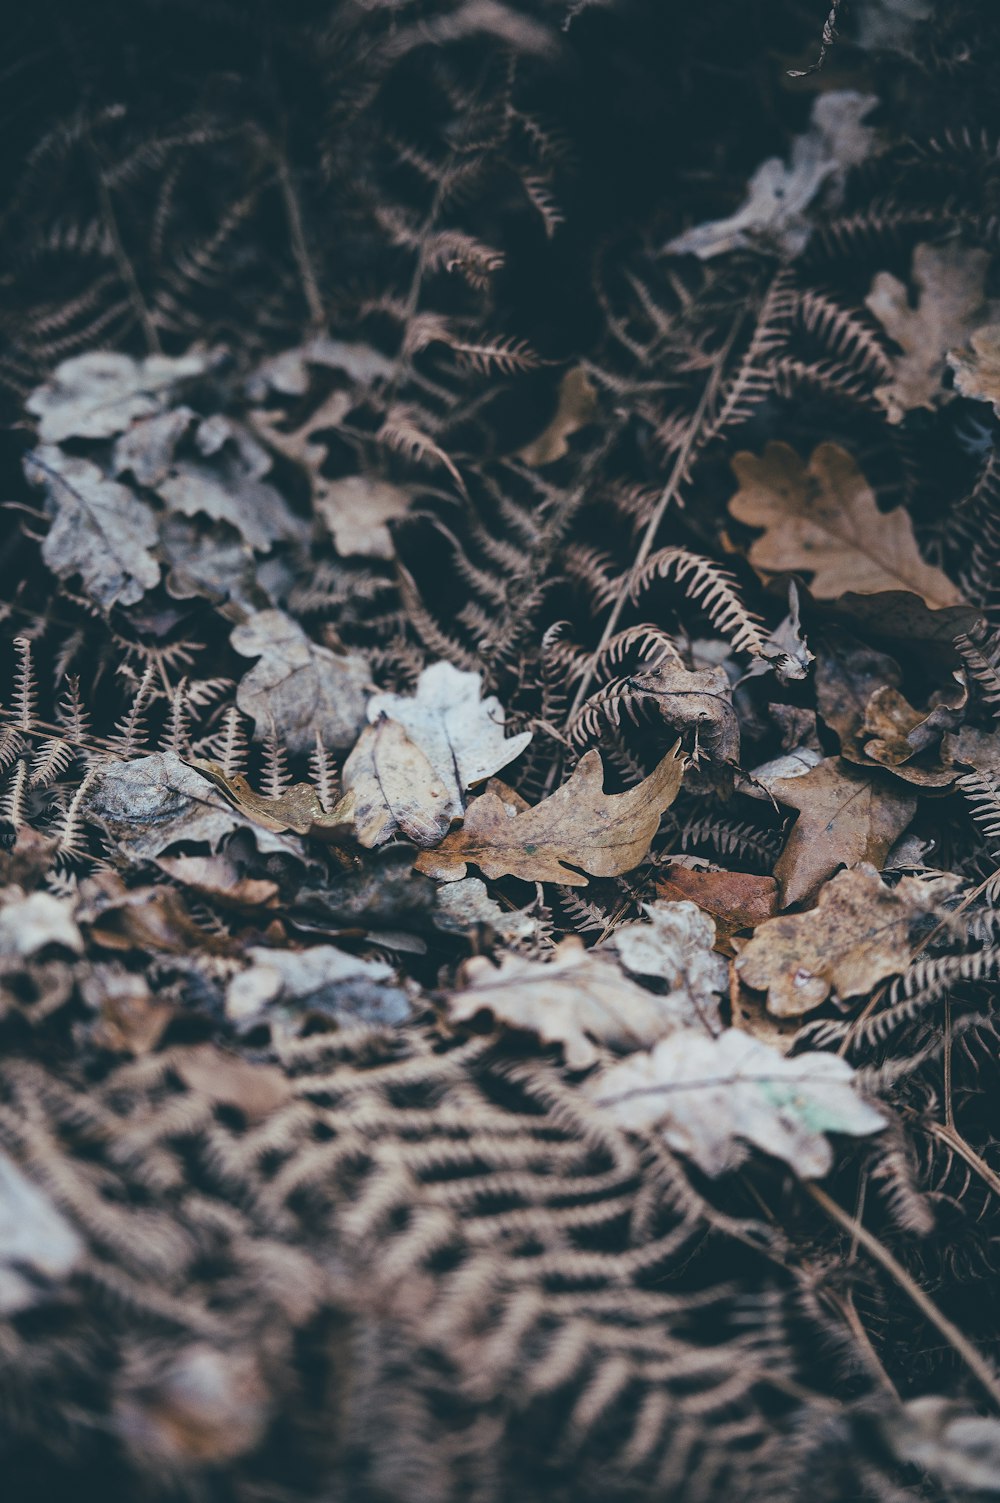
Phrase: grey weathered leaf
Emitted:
{"points": [[676, 946], [578, 998], [460, 906], [710, 1097], [322, 977], [774, 212], [228, 485], [37, 1243], [100, 530], [150, 804], [100, 394], [390, 785], [299, 687], [460, 733]]}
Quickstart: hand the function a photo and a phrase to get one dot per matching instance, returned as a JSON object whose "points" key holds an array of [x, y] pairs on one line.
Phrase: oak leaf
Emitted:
{"points": [[710, 1097], [977, 368], [674, 945], [822, 517], [951, 305], [578, 998], [860, 932], [577, 826], [735, 900], [845, 817]]}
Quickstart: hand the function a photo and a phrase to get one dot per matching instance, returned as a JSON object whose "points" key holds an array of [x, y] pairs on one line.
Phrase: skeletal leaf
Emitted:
{"points": [[102, 393], [299, 687], [152, 803], [390, 786], [298, 808], [977, 368], [710, 1097], [577, 826], [576, 407], [774, 215], [100, 530], [845, 816], [460, 734], [951, 306], [860, 932], [675, 946], [577, 998], [822, 517]]}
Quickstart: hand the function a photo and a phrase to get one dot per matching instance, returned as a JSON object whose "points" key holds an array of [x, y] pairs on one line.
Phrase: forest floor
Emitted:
{"points": [[500, 752]]}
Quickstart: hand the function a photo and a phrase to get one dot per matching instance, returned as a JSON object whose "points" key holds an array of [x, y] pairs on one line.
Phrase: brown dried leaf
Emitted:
{"points": [[822, 517], [577, 998], [254, 1089], [857, 935], [297, 809], [844, 817], [951, 305], [577, 826], [217, 878], [576, 408], [736, 900], [977, 369]]}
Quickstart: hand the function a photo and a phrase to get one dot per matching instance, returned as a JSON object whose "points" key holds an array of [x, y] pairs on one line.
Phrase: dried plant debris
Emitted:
{"points": [[951, 304], [822, 517], [499, 919], [859, 932], [710, 1097], [578, 826]]}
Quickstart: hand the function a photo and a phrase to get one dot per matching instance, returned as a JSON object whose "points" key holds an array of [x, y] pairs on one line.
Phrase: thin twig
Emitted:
{"points": [[977, 1364]]}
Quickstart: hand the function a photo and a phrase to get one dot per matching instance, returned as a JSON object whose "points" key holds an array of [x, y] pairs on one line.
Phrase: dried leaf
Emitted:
{"points": [[699, 701], [356, 511], [322, 979], [390, 786], [951, 306], [845, 817], [774, 217], [977, 368], [33, 923], [102, 393], [575, 409], [460, 734], [100, 530], [735, 900], [676, 947], [37, 1243], [289, 374], [461, 906], [297, 809], [577, 826], [150, 804], [227, 485], [709, 1097], [253, 1089], [958, 1447], [577, 998], [822, 517], [298, 687], [129, 1019], [858, 934], [216, 877]]}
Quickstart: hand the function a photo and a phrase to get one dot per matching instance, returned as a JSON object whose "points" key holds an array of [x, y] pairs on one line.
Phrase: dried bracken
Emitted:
{"points": [[499, 761]]}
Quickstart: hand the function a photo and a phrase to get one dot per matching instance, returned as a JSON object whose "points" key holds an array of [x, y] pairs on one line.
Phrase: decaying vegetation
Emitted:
{"points": [[500, 904]]}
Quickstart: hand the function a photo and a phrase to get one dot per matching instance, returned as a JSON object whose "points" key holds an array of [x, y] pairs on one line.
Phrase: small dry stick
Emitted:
{"points": [[977, 1364], [826, 42]]}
